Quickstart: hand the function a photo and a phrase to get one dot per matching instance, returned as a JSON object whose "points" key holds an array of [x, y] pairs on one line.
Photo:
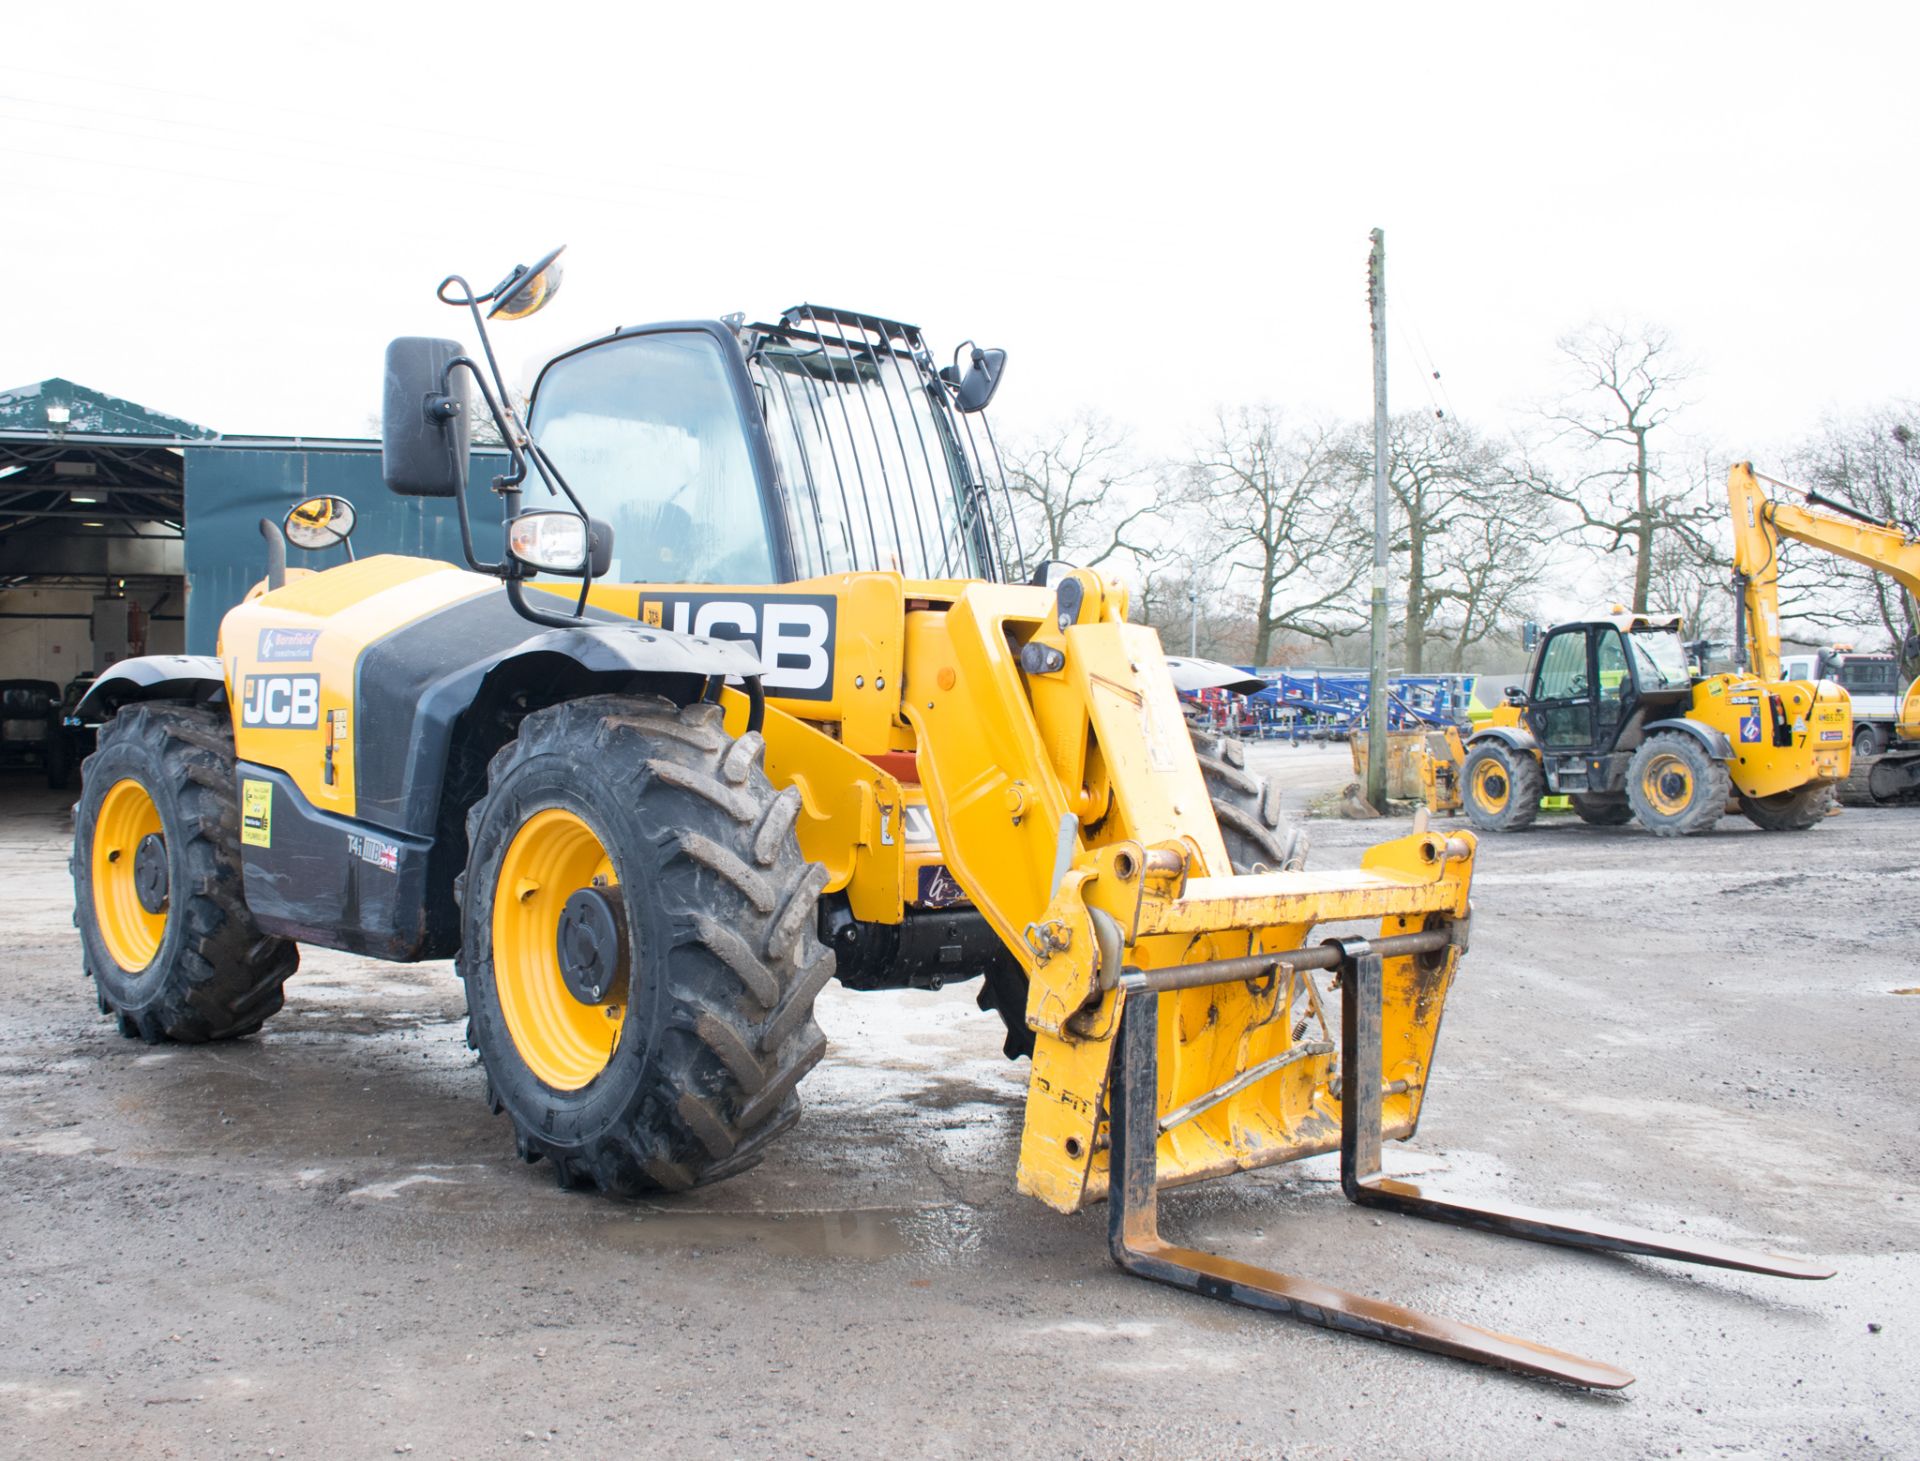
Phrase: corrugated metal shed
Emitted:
{"points": [[233, 483]]}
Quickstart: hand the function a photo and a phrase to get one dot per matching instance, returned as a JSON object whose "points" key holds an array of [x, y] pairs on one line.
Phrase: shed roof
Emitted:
{"points": [[89, 413]]}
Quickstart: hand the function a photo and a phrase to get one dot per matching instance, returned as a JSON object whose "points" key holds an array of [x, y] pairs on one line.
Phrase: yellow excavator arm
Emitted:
{"points": [[1761, 522]]}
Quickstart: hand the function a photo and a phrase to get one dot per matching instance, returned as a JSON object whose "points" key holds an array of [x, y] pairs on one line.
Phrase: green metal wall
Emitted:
{"points": [[229, 490]]}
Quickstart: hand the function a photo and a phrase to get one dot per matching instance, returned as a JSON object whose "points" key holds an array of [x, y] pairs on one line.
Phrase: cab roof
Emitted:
{"points": [[1628, 622]]}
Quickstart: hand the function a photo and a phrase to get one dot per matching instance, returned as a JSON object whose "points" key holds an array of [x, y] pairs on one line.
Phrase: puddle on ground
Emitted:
{"points": [[868, 1234]]}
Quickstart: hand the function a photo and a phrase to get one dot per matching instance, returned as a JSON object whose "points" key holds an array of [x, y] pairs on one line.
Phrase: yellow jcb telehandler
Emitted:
{"points": [[793, 708], [1612, 716]]}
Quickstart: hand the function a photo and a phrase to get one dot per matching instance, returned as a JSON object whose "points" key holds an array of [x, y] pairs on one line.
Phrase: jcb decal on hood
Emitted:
{"points": [[276, 702], [793, 632]]}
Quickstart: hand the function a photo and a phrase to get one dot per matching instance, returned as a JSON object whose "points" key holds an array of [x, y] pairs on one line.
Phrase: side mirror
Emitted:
{"points": [[561, 542], [526, 291], [319, 522], [972, 391], [423, 419], [1514, 695]]}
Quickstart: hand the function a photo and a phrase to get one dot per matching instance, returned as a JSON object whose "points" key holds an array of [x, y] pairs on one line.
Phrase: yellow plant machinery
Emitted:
{"points": [[796, 708], [1760, 523]]}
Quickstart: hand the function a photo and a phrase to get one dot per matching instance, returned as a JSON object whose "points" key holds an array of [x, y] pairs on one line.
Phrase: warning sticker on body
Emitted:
{"points": [[256, 813]]}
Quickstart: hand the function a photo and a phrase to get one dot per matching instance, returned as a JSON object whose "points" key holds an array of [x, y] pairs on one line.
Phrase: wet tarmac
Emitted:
{"points": [[316, 1242]]}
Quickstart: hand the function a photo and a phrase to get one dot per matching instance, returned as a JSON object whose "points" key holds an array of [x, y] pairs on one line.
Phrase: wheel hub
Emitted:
{"points": [[1496, 785], [150, 873], [1673, 786], [592, 944]]}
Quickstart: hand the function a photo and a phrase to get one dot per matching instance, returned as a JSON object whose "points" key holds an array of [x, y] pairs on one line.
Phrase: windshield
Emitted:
{"points": [[1659, 661], [875, 472], [646, 429]]}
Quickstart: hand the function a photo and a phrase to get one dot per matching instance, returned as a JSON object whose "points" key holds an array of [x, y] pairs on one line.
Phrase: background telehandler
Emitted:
{"points": [[788, 712], [1760, 523], [1611, 716]]}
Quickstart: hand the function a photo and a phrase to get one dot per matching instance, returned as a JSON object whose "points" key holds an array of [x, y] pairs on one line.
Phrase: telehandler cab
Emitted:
{"points": [[1612, 716], [789, 711]]}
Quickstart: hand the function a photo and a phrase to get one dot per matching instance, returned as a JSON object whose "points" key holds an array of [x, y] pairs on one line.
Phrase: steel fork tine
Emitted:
{"points": [[1360, 1177], [1134, 1236]]}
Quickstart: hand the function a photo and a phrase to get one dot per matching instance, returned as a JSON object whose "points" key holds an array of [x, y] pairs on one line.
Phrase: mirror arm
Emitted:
{"points": [[517, 596], [550, 474], [474, 561]]}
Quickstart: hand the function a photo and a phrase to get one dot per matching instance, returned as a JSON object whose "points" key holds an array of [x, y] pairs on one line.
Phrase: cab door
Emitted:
{"points": [[1613, 688], [1560, 712]]}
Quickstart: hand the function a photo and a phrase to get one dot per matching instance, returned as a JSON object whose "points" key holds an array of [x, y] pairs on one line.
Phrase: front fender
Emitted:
{"points": [[1509, 735], [626, 648]]}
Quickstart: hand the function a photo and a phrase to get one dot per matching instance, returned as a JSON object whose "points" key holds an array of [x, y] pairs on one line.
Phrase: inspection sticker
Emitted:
{"points": [[256, 813]]}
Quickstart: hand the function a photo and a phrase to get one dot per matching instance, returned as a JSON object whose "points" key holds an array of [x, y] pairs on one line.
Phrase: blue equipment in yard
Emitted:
{"points": [[1315, 704]]}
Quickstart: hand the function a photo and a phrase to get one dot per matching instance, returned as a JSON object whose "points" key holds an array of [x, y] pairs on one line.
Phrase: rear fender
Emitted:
{"points": [[1716, 742], [193, 677]]}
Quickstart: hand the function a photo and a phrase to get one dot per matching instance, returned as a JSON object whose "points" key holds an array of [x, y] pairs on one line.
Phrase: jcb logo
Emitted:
{"points": [[793, 632], [278, 701]]}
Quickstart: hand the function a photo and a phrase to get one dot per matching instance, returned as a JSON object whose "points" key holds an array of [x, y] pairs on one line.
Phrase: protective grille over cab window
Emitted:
{"points": [[875, 470]]}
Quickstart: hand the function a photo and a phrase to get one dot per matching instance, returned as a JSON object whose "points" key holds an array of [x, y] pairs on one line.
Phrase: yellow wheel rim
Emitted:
{"points": [[1490, 785], [132, 935], [1667, 782], [564, 1042]]}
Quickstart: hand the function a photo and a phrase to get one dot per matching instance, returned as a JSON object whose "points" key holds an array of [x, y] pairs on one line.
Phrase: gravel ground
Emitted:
{"points": [[316, 1242]]}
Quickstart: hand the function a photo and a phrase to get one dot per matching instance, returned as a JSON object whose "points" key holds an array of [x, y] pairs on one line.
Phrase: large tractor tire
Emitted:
{"points": [[639, 945], [1501, 787], [1602, 811], [157, 892], [1676, 786], [1790, 811], [1247, 807]]}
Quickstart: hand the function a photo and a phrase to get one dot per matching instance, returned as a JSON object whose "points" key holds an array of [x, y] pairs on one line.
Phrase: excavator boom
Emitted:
{"points": [[1760, 523]]}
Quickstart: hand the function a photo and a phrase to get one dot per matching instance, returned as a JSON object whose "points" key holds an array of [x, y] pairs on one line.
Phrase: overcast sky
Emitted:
{"points": [[225, 214]]}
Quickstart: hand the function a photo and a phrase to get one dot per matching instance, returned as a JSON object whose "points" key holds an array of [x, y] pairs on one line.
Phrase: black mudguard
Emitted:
{"points": [[192, 677]]}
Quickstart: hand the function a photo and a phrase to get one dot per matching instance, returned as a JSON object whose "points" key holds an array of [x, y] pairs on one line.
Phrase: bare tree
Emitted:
{"points": [[1473, 530], [1176, 595], [1275, 503], [1078, 493], [1625, 388]]}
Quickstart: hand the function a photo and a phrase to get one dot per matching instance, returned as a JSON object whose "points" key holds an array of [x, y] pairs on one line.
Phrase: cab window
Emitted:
{"points": [[1610, 660], [646, 429], [1563, 667]]}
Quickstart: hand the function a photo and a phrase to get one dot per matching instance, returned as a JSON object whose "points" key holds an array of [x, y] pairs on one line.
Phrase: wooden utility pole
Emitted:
{"points": [[1377, 681]]}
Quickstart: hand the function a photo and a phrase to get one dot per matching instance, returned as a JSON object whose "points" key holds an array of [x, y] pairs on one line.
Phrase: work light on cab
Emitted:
{"points": [[554, 542]]}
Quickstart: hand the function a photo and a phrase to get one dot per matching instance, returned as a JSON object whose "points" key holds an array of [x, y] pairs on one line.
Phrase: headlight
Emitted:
{"points": [[554, 541]]}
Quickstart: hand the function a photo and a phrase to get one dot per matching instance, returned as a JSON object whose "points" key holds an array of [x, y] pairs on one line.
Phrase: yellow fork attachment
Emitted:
{"points": [[1181, 1029]]}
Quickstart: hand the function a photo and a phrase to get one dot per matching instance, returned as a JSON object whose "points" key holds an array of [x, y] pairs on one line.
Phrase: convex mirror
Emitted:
{"points": [[319, 522]]}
